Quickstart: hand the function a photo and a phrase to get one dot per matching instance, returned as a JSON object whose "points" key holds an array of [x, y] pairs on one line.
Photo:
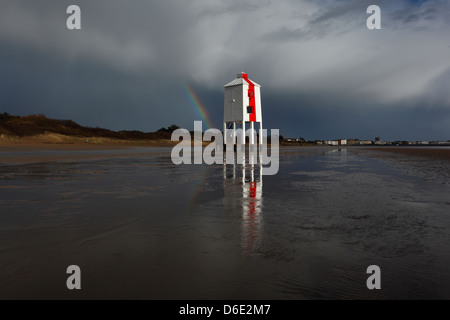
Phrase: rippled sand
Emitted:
{"points": [[141, 227]]}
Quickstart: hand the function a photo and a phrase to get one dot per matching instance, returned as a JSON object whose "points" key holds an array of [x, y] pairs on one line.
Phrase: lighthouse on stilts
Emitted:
{"points": [[242, 105]]}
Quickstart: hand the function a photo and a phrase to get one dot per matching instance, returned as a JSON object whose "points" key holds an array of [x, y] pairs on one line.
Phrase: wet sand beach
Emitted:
{"points": [[429, 163], [430, 152], [141, 227]]}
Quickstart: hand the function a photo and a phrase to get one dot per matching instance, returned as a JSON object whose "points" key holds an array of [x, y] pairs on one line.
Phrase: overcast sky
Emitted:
{"points": [[324, 75]]}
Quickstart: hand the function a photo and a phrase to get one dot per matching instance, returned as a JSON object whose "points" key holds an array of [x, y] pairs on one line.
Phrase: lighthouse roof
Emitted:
{"points": [[240, 81]]}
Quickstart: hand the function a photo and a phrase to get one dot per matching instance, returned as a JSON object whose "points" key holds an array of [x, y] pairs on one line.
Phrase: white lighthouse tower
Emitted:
{"points": [[242, 105]]}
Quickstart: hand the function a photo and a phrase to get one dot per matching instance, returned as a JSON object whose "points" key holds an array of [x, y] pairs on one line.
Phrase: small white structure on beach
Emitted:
{"points": [[242, 104]]}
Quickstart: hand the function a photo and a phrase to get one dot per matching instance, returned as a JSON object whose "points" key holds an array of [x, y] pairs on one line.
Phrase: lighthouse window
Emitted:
{"points": [[249, 110], [251, 93]]}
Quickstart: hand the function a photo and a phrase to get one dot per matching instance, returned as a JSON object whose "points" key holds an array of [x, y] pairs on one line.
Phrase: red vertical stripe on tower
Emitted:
{"points": [[252, 195], [251, 97]]}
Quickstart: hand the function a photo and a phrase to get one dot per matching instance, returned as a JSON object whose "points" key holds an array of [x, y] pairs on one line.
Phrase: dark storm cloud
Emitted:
{"points": [[323, 73], [339, 10], [428, 13]]}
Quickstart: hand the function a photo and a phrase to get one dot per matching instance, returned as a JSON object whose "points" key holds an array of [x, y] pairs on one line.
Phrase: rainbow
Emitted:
{"points": [[196, 103]]}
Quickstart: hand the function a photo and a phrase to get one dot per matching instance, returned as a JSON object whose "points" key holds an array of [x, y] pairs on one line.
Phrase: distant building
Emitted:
{"points": [[441, 143], [331, 142], [352, 142], [340, 142], [345, 142]]}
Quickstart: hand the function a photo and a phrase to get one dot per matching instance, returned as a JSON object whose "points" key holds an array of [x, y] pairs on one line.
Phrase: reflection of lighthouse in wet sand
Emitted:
{"points": [[251, 214], [243, 193]]}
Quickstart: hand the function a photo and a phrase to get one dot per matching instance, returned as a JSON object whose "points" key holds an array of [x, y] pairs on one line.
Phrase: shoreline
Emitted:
{"points": [[434, 152], [58, 141], [55, 142], [26, 146]]}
